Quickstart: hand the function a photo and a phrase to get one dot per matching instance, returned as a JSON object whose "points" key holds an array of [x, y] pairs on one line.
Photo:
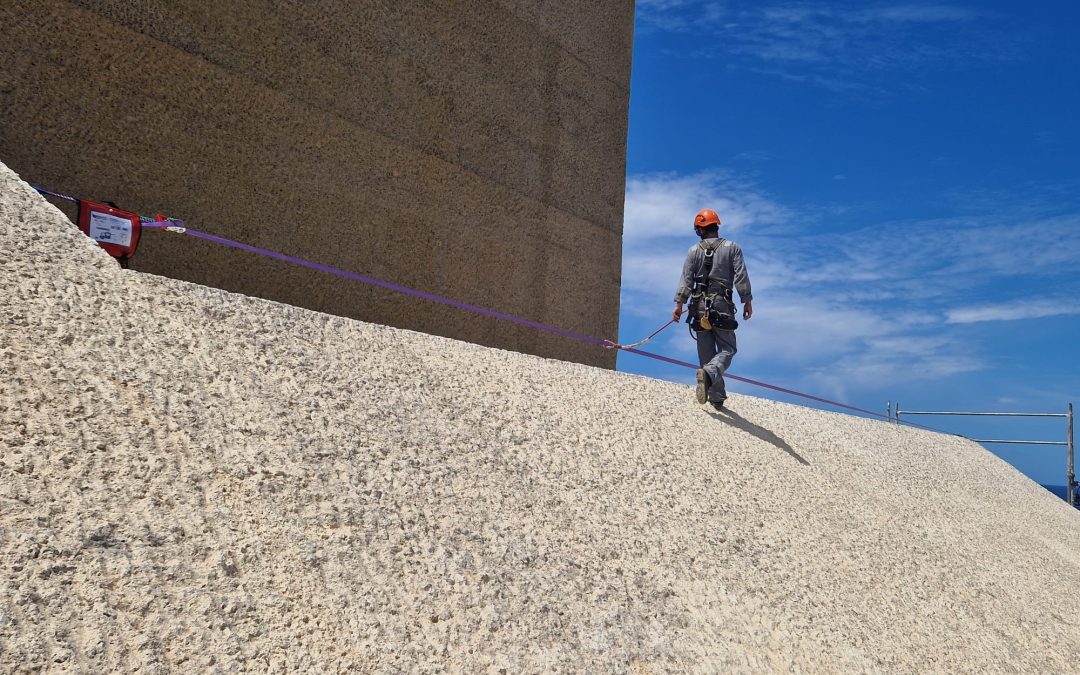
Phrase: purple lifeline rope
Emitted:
{"points": [[180, 227], [766, 385], [687, 364], [488, 312]]}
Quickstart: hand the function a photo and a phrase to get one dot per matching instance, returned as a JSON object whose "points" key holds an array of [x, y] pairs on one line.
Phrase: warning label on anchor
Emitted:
{"points": [[110, 229]]}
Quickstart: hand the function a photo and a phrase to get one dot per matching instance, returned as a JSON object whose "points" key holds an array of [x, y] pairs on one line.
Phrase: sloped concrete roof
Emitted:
{"points": [[195, 480]]}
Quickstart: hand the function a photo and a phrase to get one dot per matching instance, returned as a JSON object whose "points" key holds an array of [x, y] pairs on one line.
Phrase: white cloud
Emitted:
{"points": [[754, 156], [663, 205], [918, 14], [661, 5], [929, 260], [1014, 311], [794, 329], [652, 274], [835, 46], [663, 14], [878, 370]]}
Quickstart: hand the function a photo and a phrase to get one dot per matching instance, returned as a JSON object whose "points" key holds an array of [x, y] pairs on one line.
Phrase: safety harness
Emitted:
{"points": [[703, 315]]}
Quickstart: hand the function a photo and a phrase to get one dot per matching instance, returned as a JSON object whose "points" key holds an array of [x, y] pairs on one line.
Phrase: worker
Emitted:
{"points": [[713, 267]]}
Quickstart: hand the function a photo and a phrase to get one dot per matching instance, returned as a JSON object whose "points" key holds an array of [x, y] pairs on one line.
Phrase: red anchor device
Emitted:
{"points": [[115, 230]]}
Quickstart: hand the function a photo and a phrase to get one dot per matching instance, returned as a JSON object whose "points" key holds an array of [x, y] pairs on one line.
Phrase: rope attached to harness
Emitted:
{"points": [[608, 344]]}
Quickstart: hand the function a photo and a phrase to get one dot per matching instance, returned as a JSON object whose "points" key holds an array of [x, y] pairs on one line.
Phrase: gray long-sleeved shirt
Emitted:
{"points": [[728, 268]]}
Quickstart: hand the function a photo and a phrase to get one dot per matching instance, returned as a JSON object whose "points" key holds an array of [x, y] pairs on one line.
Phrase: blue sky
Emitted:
{"points": [[903, 179]]}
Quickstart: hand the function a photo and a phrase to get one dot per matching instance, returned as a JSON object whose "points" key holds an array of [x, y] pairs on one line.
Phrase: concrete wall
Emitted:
{"points": [[471, 149]]}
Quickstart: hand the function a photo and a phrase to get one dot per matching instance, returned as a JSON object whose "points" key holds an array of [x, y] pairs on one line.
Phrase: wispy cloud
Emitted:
{"points": [[754, 156], [1015, 311], [663, 205], [917, 14], [834, 46], [664, 14], [931, 259]]}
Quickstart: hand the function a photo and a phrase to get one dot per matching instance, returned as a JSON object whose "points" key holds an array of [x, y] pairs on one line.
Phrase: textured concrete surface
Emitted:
{"points": [[471, 149], [198, 481]]}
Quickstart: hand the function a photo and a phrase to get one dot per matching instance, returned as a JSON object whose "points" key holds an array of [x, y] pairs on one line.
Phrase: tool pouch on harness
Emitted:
{"points": [[704, 314]]}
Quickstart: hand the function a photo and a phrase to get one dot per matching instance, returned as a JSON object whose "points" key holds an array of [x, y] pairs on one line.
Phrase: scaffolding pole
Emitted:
{"points": [[1071, 475], [1068, 442]]}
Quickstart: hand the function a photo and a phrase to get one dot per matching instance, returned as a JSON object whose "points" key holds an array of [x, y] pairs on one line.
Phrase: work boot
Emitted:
{"points": [[703, 384], [719, 405]]}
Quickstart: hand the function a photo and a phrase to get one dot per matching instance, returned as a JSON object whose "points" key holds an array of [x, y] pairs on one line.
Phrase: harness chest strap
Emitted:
{"points": [[701, 280]]}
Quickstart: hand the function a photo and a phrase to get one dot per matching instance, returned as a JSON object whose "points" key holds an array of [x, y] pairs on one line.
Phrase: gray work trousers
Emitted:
{"points": [[715, 348]]}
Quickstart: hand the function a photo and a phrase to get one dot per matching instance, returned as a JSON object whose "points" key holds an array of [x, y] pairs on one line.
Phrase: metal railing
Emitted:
{"points": [[894, 413]]}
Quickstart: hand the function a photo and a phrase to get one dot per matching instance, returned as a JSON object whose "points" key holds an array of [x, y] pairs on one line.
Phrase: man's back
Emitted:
{"points": [[728, 269]]}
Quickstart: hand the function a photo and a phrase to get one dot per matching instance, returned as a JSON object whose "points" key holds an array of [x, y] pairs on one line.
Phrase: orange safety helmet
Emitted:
{"points": [[706, 218]]}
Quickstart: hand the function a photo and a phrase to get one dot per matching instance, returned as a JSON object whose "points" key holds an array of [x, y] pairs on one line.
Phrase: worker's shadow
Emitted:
{"points": [[736, 420]]}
